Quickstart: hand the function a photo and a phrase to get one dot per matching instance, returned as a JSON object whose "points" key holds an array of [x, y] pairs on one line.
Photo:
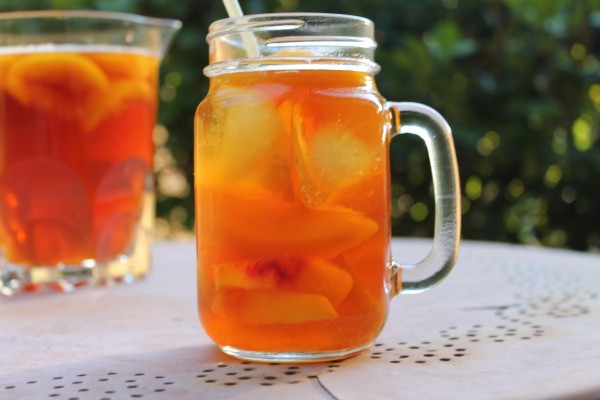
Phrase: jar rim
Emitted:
{"points": [[226, 25], [291, 40]]}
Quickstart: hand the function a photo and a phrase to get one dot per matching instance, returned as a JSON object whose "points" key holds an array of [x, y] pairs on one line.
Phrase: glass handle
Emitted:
{"points": [[429, 125]]}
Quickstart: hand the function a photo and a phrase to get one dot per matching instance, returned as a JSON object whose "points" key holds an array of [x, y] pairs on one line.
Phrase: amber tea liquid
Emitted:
{"points": [[292, 211], [75, 155]]}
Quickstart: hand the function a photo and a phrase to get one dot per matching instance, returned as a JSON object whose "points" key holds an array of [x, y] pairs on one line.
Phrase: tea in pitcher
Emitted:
{"points": [[76, 153]]}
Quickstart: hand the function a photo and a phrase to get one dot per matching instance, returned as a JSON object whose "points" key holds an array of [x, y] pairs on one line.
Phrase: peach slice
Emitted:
{"points": [[120, 94], [129, 91], [273, 307], [126, 66], [6, 62], [57, 82], [306, 275], [370, 262], [43, 206], [268, 227]]}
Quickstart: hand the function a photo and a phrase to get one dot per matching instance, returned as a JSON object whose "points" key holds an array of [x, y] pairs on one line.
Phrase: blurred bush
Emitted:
{"points": [[518, 81]]}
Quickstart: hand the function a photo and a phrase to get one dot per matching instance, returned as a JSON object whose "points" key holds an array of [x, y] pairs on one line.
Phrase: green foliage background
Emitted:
{"points": [[518, 81]]}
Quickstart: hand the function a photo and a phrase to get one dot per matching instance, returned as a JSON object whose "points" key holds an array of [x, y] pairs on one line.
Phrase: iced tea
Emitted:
{"points": [[292, 210], [75, 152]]}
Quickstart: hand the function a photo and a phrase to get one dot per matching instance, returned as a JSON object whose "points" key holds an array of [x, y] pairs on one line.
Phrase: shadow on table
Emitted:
{"points": [[175, 373]]}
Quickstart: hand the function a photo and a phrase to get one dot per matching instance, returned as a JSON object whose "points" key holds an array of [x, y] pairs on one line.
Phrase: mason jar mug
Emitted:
{"points": [[292, 183]]}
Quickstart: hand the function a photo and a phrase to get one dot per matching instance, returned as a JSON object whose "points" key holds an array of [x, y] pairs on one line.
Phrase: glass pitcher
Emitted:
{"points": [[78, 101]]}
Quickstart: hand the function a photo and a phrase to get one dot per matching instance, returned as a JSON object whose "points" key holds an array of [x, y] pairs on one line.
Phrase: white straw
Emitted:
{"points": [[234, 10]]}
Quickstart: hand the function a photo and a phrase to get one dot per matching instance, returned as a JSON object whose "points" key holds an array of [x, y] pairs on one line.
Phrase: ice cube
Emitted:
{"points": [[332, 161], [237, 132], [115, 236], [124, 179], [118, 199]]}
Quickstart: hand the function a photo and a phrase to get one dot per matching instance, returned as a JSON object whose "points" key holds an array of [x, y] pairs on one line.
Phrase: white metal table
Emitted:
{"points": [[511, 322]]}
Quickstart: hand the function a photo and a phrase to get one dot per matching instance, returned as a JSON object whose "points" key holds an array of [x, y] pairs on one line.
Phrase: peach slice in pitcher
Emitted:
{"points": [[273, 307], [124, 66], [121, 94], [265, 226], [306, 275], [6, 62], [43, 206], [61, 83]]}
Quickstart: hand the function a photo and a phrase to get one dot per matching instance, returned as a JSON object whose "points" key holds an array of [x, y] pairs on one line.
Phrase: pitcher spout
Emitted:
{"points": [[85, 28]]}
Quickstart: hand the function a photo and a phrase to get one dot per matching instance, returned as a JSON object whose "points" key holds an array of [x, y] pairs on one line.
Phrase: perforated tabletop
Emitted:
{"points": [[511, 322]]}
